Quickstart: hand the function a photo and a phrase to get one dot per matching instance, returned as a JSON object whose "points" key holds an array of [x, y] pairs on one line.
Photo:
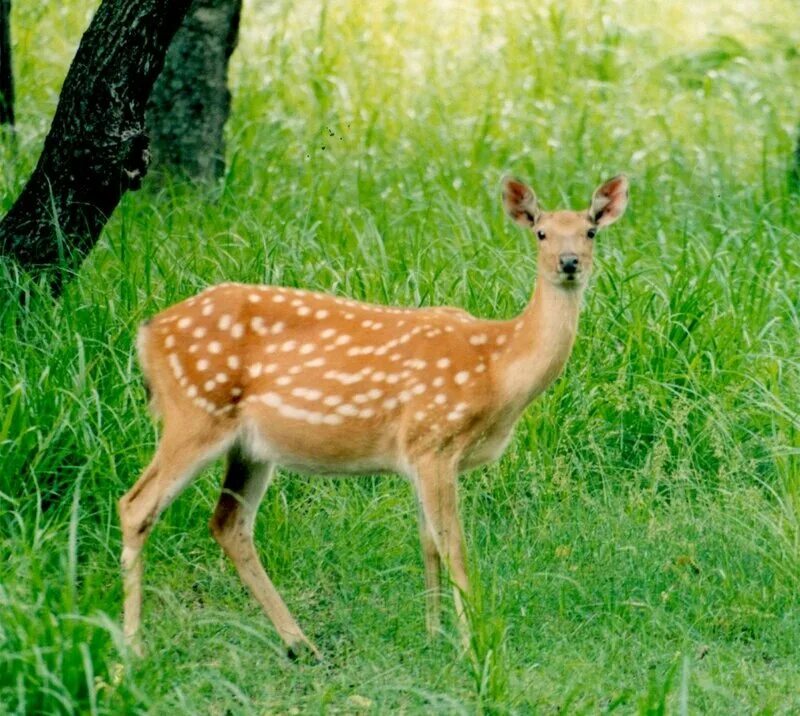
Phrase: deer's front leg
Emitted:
{"points": [[436, 486], [433, 573]]}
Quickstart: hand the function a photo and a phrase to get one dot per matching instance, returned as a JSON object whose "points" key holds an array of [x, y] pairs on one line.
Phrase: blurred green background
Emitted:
{"points": [[638, 547]]}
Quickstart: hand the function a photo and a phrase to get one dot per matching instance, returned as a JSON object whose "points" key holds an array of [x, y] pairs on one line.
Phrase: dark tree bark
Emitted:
{"points": [[190, 102], [97, 147], [6, 71]]}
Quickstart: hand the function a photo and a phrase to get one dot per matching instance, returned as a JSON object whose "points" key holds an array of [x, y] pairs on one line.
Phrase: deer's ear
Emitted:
{"points": [[520, 202], [609, 201]]}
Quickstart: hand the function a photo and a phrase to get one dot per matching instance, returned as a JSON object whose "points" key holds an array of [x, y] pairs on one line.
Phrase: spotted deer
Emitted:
{"points": [[317, 383]]}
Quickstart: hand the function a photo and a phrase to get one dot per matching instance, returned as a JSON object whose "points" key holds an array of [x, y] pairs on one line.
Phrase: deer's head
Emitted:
{"points": [[565, 238]]}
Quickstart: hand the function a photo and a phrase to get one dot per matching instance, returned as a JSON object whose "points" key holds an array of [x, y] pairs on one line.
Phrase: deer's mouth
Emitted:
{"points": [[570, 280]]}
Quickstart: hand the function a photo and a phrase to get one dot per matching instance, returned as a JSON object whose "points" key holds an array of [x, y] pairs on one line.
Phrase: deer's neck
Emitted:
{"points": [[541, 341]]}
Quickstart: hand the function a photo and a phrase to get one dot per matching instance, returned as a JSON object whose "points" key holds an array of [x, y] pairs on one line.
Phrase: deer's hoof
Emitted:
{"points": [[303, 652]]}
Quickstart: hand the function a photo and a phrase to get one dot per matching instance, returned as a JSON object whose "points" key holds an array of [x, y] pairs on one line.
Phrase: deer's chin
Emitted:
{"points": [[569, 282]]}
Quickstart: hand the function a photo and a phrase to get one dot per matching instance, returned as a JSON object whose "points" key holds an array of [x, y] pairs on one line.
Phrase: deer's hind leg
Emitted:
{"points": [[180, 456], [245, 483]]}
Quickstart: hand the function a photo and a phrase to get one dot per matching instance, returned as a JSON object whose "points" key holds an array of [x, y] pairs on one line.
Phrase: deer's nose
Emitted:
{"points": [[568, 263]]}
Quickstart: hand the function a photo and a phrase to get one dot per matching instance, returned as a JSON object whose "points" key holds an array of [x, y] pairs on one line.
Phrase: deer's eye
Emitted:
{"points": [[591, 233], [540, 235]]}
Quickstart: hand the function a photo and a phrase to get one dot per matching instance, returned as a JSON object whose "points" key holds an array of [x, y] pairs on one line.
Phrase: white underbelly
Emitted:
{"points": [[487, 449], [260, 446]]}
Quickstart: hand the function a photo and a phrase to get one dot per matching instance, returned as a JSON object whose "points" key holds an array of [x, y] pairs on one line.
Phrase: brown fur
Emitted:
{"points": [[276, 376]]}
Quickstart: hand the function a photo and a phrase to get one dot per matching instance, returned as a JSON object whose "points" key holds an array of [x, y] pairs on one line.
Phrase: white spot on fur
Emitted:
{"points": [[257, 324], [237, 330], [175, 362], [233, 362], [199, 332], [307, 393], [224, 322], [184, 322], [461, 377], [202, 364], [443, 363], [273, 400], [214, 347]]}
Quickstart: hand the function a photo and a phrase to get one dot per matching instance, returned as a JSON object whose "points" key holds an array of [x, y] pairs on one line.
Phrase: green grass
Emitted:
{"points": [[637, 548]]}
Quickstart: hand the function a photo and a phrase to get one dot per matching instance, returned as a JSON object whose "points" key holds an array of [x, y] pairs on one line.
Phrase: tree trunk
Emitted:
{"points": [[190, 102], [6, 70], [97, 147]]}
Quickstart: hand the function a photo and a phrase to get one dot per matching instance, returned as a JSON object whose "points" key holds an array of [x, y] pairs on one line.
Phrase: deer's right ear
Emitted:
{"points": [[520, 202]]}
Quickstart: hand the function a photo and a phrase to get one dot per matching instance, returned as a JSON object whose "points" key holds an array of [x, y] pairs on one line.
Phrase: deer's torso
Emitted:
{"points": [[324, 384]]}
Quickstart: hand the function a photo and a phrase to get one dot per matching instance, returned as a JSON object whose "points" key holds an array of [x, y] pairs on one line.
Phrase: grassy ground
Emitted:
{"points": [[638, 547]]}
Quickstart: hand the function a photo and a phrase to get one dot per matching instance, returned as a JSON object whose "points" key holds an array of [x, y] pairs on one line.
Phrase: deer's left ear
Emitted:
{"points": [[520, 202], [609, 201]]}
